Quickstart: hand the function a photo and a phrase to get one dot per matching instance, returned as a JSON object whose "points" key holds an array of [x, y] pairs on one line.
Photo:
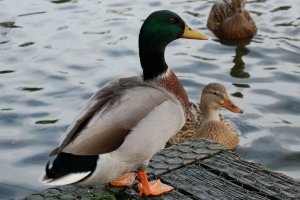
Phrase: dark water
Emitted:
{"points": [[55, 54]]}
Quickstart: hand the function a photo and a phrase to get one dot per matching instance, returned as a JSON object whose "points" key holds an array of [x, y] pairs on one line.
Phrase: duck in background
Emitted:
{"points": [[204, 120], [228, 19], [127, 121]]}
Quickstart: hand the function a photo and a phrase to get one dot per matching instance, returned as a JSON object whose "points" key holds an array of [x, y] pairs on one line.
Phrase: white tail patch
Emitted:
{"points": [[67, 179]]}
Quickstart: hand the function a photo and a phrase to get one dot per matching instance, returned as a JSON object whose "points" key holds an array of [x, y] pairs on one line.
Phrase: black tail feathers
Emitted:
{"points": [[66, 163]]}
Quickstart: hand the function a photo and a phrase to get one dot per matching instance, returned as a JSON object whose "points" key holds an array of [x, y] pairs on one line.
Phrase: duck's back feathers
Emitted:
{"points": [[110, 115], [219, 12], [228, 19]]}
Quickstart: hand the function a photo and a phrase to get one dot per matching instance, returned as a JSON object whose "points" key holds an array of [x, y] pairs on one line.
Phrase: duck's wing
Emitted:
{"points": [[110, 115], [96, 102], [219, 12]]}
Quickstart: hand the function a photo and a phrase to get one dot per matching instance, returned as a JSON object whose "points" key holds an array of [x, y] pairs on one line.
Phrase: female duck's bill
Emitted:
{"points": [[127, 121]]}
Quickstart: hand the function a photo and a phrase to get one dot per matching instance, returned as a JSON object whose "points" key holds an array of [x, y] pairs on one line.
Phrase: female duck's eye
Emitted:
{"points": [[172, 21], [215, 93]]}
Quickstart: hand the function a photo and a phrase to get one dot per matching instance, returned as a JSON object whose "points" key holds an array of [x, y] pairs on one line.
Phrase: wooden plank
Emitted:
{"points": [[253, 176], [178, 156], [169, 159], [199, 170], [130, 193], [198, 183]]}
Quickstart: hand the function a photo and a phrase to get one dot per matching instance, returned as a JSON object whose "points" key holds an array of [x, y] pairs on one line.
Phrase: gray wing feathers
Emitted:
{"points": [[110, 115], [96, 101]]}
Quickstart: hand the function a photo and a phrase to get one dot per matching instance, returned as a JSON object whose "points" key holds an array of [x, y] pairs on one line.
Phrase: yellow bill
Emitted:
{"points": [[189, 33]]}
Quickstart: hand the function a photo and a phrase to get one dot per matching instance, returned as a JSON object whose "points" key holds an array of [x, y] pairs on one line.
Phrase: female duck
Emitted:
{"points": [[127, 121], [228, 19], [206, 122]]}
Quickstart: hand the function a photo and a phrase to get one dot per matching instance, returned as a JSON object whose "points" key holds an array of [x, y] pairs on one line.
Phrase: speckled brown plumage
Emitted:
{"points": [[219, 132], [199, 125], [228, 19], [192, 122]]}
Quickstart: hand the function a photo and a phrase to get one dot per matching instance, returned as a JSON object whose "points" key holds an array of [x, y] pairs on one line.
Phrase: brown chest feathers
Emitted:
{"points": [[171, 83], [219, 132]]}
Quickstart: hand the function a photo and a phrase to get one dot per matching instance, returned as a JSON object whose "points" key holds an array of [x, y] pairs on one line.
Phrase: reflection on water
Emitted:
{"points": [[6, 71], [238, 70], [26, 44], [60, 1], [9, 25], [241, 50], [30, 89], [46, 121], [281, 8], [55, 54]]}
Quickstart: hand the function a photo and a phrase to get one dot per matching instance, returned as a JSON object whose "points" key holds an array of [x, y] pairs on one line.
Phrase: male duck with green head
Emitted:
{"points": [[127, 121]]}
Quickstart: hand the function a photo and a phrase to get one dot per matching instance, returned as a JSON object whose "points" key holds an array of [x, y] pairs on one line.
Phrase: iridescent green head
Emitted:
{"points": [[162, 27], [158, 30]]}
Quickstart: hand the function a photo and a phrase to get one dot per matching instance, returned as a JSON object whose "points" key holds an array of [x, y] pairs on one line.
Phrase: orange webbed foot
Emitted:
{"points": [[125, 180], [155, 187]]}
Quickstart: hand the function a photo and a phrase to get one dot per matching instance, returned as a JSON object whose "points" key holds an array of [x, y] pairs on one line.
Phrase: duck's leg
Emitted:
{"points": [[151, 188], [125, 180]]}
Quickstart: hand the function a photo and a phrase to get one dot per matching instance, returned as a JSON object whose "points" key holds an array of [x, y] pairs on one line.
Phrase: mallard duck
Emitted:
{"points": [[127, 121], [228, 19], [204, 120]]}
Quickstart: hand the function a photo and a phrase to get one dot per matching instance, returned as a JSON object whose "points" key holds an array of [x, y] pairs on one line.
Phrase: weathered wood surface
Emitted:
{"points": [[198, 170]]}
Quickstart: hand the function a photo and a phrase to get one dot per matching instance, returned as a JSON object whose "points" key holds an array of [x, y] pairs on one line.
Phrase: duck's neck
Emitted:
{"points": [[170, 82], [152, 61], [152, 57], [209, 114]]}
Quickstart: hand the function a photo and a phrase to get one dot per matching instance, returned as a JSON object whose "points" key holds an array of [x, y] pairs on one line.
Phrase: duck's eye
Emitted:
{"points": [[215, 93], [172, 21]]}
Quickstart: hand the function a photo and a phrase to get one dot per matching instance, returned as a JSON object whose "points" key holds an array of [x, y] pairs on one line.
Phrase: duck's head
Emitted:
{"points": [[159, 29], [162, 27], [214, 96], [238, 6]]}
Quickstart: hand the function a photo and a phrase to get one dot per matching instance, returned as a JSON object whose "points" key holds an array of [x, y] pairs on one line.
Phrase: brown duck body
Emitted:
{"points": [[192, 122], [219, 131], [229, 19], [204, 120]]}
